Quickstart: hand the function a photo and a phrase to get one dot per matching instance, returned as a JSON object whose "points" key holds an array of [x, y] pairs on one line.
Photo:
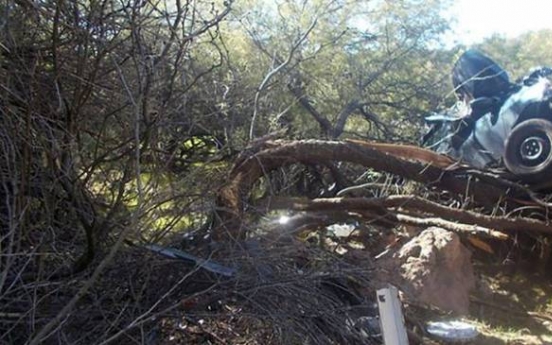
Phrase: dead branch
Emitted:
{"points": [[458, 220], [452, 226], [412, 203]]}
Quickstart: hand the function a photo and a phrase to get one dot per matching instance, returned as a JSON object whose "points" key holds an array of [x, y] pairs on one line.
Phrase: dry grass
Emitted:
{"points": [[282, 294]]}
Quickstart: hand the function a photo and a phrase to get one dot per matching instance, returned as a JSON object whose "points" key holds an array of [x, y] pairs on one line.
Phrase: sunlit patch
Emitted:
{"points": [[283, 220]]}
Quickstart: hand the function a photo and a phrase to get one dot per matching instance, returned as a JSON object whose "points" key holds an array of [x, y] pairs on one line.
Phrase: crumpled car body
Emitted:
{"points": [[512, 127]]}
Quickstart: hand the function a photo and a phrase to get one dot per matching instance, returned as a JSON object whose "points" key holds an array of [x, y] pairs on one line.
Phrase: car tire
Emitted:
{"points": [[528, 151]]}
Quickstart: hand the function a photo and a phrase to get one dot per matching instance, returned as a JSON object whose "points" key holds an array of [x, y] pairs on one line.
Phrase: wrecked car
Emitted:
{"points": [[496, 122]]}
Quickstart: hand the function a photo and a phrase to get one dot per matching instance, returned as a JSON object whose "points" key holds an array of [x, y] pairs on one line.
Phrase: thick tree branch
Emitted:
{"points": [[298, 92], [432, 213], [410, 162], [343, 116]]}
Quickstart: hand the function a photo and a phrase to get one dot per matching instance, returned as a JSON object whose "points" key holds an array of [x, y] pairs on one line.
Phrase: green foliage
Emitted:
{"points": [[519, 54], [359, 58]]}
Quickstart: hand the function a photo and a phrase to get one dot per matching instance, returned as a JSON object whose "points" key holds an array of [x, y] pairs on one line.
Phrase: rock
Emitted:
{"points": [[432, 268]]}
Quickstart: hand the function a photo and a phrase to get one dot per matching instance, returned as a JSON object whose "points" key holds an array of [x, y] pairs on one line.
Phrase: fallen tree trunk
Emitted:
{"points": [[410, 162]]}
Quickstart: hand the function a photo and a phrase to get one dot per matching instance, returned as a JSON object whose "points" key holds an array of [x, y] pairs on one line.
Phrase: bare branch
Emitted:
{"points": [[427, 211], [272, 73]]}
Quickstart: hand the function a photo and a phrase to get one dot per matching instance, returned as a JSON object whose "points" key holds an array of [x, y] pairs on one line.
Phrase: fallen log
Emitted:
{"points": [[410, 162]]}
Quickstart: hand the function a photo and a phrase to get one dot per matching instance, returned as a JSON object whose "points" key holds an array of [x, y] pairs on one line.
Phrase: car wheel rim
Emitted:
{"points": [[532, 149]]}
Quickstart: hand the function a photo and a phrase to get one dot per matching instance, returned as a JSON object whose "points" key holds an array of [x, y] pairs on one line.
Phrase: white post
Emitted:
{"points": [[391, 317]]}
